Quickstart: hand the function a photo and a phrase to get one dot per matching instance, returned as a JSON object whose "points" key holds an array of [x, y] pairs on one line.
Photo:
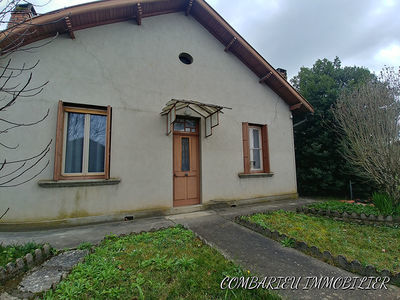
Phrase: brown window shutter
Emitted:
{"points": [[265, 149], [246, 149], [59, 141], [108, 144]]}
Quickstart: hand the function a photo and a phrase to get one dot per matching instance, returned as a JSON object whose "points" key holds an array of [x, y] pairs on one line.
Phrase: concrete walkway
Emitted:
{"points": [[251, 250], [73, 236]]}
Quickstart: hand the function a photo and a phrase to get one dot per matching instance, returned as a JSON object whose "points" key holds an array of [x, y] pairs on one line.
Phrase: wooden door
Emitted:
{"points": [[186, 162]]}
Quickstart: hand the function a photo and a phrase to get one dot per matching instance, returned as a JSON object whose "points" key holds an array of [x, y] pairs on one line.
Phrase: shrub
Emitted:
{"points": [[384, 203]]}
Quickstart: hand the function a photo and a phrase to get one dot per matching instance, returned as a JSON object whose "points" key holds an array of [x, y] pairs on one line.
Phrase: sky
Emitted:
{"points": [[291, 34]]}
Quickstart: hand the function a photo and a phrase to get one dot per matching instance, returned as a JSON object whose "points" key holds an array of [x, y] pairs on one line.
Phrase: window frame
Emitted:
{"points": [[252, 128], [264, 147], [59, 160]]}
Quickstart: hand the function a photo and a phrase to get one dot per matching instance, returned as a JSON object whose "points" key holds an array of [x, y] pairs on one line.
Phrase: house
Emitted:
{"points": [[156, 106]]}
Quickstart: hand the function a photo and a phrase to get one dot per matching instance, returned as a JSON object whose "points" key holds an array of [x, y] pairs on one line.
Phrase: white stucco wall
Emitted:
{"points": [[136, 70]]}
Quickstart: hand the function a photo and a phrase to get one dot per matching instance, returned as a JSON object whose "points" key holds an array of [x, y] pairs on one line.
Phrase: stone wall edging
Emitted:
{"points": [[361, 218], [340, 261], [24, 263]]}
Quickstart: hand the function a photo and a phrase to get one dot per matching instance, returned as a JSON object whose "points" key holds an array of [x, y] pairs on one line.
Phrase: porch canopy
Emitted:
{"points": [[210, 113]]}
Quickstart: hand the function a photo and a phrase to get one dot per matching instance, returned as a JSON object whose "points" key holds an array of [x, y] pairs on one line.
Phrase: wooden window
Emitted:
{"points": [[255, 148], [82, 142]]}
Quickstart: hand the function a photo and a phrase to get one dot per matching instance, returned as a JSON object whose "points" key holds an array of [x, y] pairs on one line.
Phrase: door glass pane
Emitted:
{"points": [[97, 143], [256, 139], [74, 143], [256, 159], [185, 154]]}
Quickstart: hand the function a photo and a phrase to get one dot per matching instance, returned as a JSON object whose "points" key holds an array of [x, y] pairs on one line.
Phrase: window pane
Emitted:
{"points": [[256, 139], [256, 159], [97, 143], [185, 154], [191, 123], [179, 126], [74, 143]]}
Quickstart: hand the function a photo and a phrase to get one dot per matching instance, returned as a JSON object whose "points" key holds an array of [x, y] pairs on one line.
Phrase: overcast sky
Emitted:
{"points": [[290, 33]]}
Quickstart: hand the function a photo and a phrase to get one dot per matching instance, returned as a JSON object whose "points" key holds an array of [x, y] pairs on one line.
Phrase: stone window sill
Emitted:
{"points": [[255, 175], [75, 183]]}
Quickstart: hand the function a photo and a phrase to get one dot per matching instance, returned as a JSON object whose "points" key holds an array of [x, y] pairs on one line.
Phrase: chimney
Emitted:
{"points": [[21, 13], [283, 72]]}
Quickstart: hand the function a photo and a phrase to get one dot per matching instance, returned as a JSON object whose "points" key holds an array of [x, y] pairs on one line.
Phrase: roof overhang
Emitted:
{"points": [[93, 14], [210, 113]]}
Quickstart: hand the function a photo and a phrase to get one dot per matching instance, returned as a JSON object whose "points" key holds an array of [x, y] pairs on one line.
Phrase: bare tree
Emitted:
{"points": [[368, 120], [16, 86]]}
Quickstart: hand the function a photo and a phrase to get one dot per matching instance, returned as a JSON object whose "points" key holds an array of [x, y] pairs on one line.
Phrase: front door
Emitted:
{"points": [[186, 162]]}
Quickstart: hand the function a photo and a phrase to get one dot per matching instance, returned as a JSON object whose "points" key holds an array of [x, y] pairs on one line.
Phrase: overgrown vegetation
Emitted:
{"points": [[166, 264], [385, 204], [321, 169], [345, 207], [368, 120], [12, 252], [371, 245]]}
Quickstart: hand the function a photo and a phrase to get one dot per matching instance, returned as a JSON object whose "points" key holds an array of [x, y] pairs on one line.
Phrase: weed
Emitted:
{"points": [[11, 252], [85, 246], [287, 242]]}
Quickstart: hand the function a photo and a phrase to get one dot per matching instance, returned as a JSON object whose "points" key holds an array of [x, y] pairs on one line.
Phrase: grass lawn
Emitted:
{"points": [[166, 264], [371, 245], [12, 252]]}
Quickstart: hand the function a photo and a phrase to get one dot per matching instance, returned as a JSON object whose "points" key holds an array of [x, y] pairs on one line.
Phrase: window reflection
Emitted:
{"points": [[97, 143], [74, 143]]}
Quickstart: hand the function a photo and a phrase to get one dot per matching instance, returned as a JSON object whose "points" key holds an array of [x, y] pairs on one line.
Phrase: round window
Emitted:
{"points": [[186, 58]]}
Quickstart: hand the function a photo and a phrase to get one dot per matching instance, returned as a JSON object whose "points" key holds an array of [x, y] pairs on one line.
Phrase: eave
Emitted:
{"points": [[93, 14]]}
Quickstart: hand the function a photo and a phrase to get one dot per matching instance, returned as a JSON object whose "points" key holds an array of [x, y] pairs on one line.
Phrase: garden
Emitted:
{"points": [[167, 264], [378, 246], [380, 204], [170, 263], [362, 237]]}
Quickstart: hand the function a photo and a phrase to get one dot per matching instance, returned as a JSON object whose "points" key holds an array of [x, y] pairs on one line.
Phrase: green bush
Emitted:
{"points": [[384, 203]]}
